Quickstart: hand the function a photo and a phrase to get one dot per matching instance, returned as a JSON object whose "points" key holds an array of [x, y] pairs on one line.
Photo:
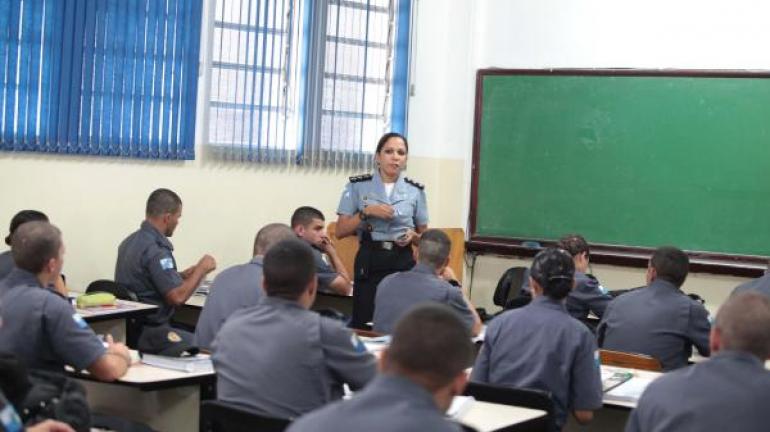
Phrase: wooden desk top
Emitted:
{"points": [[123, 309]]}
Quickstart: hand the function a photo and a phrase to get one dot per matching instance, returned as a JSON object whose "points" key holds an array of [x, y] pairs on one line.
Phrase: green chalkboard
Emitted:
{"points": [[634, 158]]}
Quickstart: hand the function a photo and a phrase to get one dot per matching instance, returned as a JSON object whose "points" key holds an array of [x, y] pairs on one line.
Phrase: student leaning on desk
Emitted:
{"points": [[39, 326]]}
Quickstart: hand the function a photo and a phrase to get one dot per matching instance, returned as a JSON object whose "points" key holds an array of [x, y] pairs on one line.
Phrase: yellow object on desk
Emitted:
{"points": [[96, 299]]}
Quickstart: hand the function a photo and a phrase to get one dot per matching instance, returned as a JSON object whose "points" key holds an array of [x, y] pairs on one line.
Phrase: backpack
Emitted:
{"points": [[508, 291]]}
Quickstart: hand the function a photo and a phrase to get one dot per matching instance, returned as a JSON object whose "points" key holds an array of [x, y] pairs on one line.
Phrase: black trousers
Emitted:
{"points": [[372, 264]]}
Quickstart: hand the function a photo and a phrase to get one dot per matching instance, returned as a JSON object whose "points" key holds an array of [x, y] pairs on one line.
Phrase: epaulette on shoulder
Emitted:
{"points": [[416, 184], [360, 178]]}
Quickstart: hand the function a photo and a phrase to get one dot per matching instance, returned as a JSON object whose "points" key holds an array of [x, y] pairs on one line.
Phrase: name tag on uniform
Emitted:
{"points": [[167, 263]]}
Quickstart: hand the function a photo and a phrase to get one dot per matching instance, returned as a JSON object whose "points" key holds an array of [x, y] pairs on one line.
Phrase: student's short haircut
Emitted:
{"points": [[162, 201], [744, 321], [431, 341], [288, 267], [434, 248], [23, 217], [670, 264], [34, 244], [271, 234], [303, 216], [554, 270], [574, 244]]}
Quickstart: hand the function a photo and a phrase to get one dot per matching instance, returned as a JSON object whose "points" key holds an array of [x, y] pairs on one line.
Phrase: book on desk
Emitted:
{"points": [[196, 363]]}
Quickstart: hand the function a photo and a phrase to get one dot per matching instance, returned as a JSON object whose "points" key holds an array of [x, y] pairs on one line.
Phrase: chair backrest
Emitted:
{"points": [[348, 247], [218, 416], [118, 290], [527, 398], [508, 291], [629, 360]]}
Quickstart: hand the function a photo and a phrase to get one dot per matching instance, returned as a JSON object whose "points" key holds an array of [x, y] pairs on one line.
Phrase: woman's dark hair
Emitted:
{"points": [[388, 136], [554, 270], [23, 217]]}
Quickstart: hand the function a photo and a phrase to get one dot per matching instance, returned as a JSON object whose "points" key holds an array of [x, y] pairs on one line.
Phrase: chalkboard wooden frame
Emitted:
{"points": [[629, 256]]}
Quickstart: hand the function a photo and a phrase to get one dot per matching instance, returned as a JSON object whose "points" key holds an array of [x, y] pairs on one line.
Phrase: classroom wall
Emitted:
{"points": [[98, 201], [697, 34]]}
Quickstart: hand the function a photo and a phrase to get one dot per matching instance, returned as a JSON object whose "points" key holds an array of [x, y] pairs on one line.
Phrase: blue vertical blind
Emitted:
{"points": [[99, 77], [307, 81], [252, 107]]}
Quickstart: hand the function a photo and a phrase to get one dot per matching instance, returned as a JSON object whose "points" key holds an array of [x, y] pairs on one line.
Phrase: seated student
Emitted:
{"points": [[588, 295], [422, 370], [728, 392], [147, 267], [237, 287], [541, 346], [658, 320], [6, 259], [761, 284], [39, 326], [400, 291], [308, 224], [280, 359]]}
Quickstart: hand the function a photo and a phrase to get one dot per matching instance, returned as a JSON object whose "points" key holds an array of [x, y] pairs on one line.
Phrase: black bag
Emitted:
{"points": [[55, 396], [508, 291]]}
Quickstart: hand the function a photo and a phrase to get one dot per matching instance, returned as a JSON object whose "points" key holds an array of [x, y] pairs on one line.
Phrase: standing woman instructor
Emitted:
{"points": [[388, 212]]}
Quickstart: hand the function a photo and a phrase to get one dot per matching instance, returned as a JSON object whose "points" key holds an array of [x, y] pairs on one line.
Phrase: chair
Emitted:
{"points": [[508, 291], [629, 360], [218, 416], [527, 398], [118, 290]]}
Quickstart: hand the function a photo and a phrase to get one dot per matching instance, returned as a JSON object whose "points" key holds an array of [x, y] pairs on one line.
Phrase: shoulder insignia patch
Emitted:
{"points": [[414, 183], [167, 263], [360, 178], [79, 321], [358, 345]]}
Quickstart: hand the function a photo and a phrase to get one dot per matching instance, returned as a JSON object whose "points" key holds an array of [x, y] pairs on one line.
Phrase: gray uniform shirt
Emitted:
{"points": [[147, 267], [761, 285], [279, 359], [235, 288], [729, 392], [408, 200], [587, 296], [401, 291], [389, 403], [42, 328], [325, 273], [541, 346], [6, 264], [658, 320]]}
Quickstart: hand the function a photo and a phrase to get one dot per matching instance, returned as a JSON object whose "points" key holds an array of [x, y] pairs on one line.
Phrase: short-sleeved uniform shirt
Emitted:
{"points": [[235, 288], [390, 403], [728, 392], [147, 267], [761, 285], [588, 295], [324, 272], [658, 320], [281, 360], [42, 328], [6, 264], [540, 346], [401, 291], [407, 198]]}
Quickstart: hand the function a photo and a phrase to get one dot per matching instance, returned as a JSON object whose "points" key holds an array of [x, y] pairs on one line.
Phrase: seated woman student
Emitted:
{"points": [[588, 295], [540, 346]]}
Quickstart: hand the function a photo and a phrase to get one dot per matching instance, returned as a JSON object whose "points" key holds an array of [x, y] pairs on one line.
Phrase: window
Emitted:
{"points": [[99, 77], [316, 82]]}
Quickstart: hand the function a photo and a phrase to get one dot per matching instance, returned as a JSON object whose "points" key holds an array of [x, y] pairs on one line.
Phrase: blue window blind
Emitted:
{"points": [[316, 82], [99, 77], [252, 107]]}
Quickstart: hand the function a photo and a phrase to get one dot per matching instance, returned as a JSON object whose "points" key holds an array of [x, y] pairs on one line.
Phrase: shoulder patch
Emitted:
{"points": [[358, 345], [414, 183], [167, 263], [360, 178], [79, 321]]}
